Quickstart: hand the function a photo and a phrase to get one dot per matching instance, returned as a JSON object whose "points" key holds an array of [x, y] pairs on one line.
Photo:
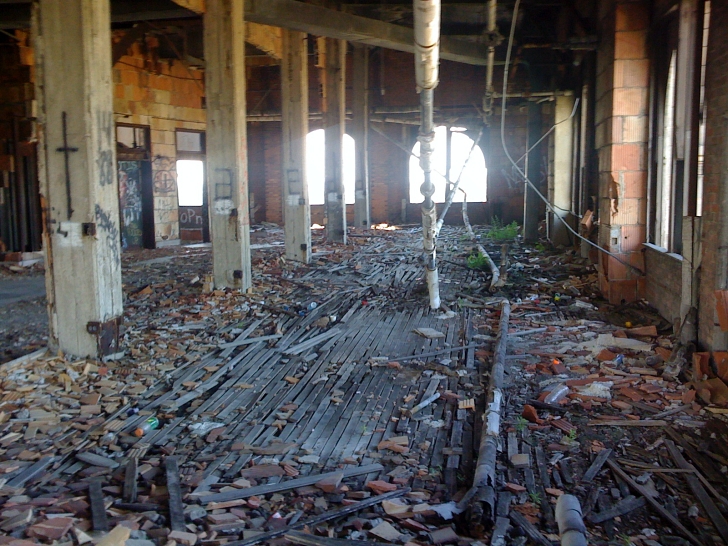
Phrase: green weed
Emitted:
{"points": [[521, 424], [500, 233], [477, 261]]}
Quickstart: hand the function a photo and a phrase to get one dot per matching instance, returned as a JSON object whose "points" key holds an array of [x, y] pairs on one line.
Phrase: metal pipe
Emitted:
{"points": [[489, 90], [569, 518], [427, 51]]}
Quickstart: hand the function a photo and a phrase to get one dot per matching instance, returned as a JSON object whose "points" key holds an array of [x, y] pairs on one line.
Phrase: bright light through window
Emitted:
{"points": [[473, 180], [190, 178], [315, 161]]}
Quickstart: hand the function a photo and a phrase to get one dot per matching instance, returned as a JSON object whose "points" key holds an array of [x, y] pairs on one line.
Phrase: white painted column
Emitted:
{"points": [[227, 163], [334, 126], [77, 171], [294, 88], [563, 170], [360, 132]]}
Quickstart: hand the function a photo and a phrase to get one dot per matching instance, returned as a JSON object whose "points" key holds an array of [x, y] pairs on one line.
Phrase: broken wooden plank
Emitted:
{"points": [[625, 506], [96, 460], [290, 484], [306, 539], [98, 508], [248, 341], [597, 465], [326, 516], [675, 522], [130, 480], [721, 525], [629, 423], [529, 529], [176, 508], [29, 473]]}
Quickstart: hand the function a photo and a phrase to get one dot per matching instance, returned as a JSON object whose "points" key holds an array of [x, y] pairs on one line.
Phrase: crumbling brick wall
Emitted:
{"points": [[713, 273], [621, 140]]}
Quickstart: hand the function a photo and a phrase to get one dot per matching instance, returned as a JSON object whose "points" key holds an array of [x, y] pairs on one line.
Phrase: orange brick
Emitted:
{"points": [[623, 291], [616, 130], [630, 45], [632, 238], [628, 157], [615, 270], [631, 73], [634, 184], [634, 128], [129, 77], [630, 212], [629, 101], [632, 16]]}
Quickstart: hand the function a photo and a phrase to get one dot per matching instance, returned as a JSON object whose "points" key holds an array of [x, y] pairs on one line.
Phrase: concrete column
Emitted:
{"points": [[77, 170], [531, 202], [227, 164], [334, 125], [563, 170], [360, 132], [294, 87]]}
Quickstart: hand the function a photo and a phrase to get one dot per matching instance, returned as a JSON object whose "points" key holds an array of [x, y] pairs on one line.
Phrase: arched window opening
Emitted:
{"points": [[474, 178], [315, 161]]}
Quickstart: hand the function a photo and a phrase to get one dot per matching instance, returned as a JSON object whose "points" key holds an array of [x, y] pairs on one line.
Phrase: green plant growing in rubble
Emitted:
{"points": [[521, 423], [477, 261], [499, 232], [625, 539], [535, 498]]}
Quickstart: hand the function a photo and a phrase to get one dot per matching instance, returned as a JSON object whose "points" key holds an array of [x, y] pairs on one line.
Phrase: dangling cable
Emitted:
{"points": [[519, 170]]}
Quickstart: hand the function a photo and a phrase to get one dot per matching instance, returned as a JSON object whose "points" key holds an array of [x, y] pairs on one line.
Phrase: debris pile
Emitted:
{"points": [[329, 404]]}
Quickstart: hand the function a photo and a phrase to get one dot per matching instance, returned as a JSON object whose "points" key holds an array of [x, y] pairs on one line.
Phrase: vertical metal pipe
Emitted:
{"points": [[489, 90], [427, 46]]}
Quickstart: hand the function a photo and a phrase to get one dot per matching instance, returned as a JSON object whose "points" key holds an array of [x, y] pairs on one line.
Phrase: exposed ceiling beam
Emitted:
{"points": [[319, 21], [264, 37], [198, 6]]}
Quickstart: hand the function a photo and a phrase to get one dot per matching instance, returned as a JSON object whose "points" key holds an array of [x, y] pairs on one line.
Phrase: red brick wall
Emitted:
{"points": [[715, 196], [621, 140], [460, 85]]}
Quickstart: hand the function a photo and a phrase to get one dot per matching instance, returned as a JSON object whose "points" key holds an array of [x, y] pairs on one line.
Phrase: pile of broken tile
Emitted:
{"points": [[72, 471], [615, 417]]}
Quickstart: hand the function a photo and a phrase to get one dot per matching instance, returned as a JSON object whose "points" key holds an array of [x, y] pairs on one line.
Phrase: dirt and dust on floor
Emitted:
{"points": [[330, 406]]}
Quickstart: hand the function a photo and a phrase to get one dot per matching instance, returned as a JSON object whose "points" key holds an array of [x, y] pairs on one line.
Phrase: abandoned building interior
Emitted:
{"points": [[331, 272]]}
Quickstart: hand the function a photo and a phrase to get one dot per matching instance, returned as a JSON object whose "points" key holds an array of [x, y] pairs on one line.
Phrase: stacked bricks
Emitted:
{"points": [[715, 196], [621, 141], [165, 96]]}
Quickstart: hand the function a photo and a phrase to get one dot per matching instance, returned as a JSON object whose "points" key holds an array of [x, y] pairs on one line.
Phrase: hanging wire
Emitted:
{"points": [[519, 170]]}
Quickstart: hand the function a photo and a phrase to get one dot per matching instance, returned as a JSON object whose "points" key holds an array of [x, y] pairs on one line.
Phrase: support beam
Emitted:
{"points": [[198, 6], [360, 132], [563, 170], [266, 38], [227, 143], [77, 170], [294, 88], [334, 125], [320, 21], [531, 202]]}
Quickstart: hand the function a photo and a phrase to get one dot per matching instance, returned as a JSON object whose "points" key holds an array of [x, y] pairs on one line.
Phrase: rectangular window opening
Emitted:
{"points": [[190, 182]]}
